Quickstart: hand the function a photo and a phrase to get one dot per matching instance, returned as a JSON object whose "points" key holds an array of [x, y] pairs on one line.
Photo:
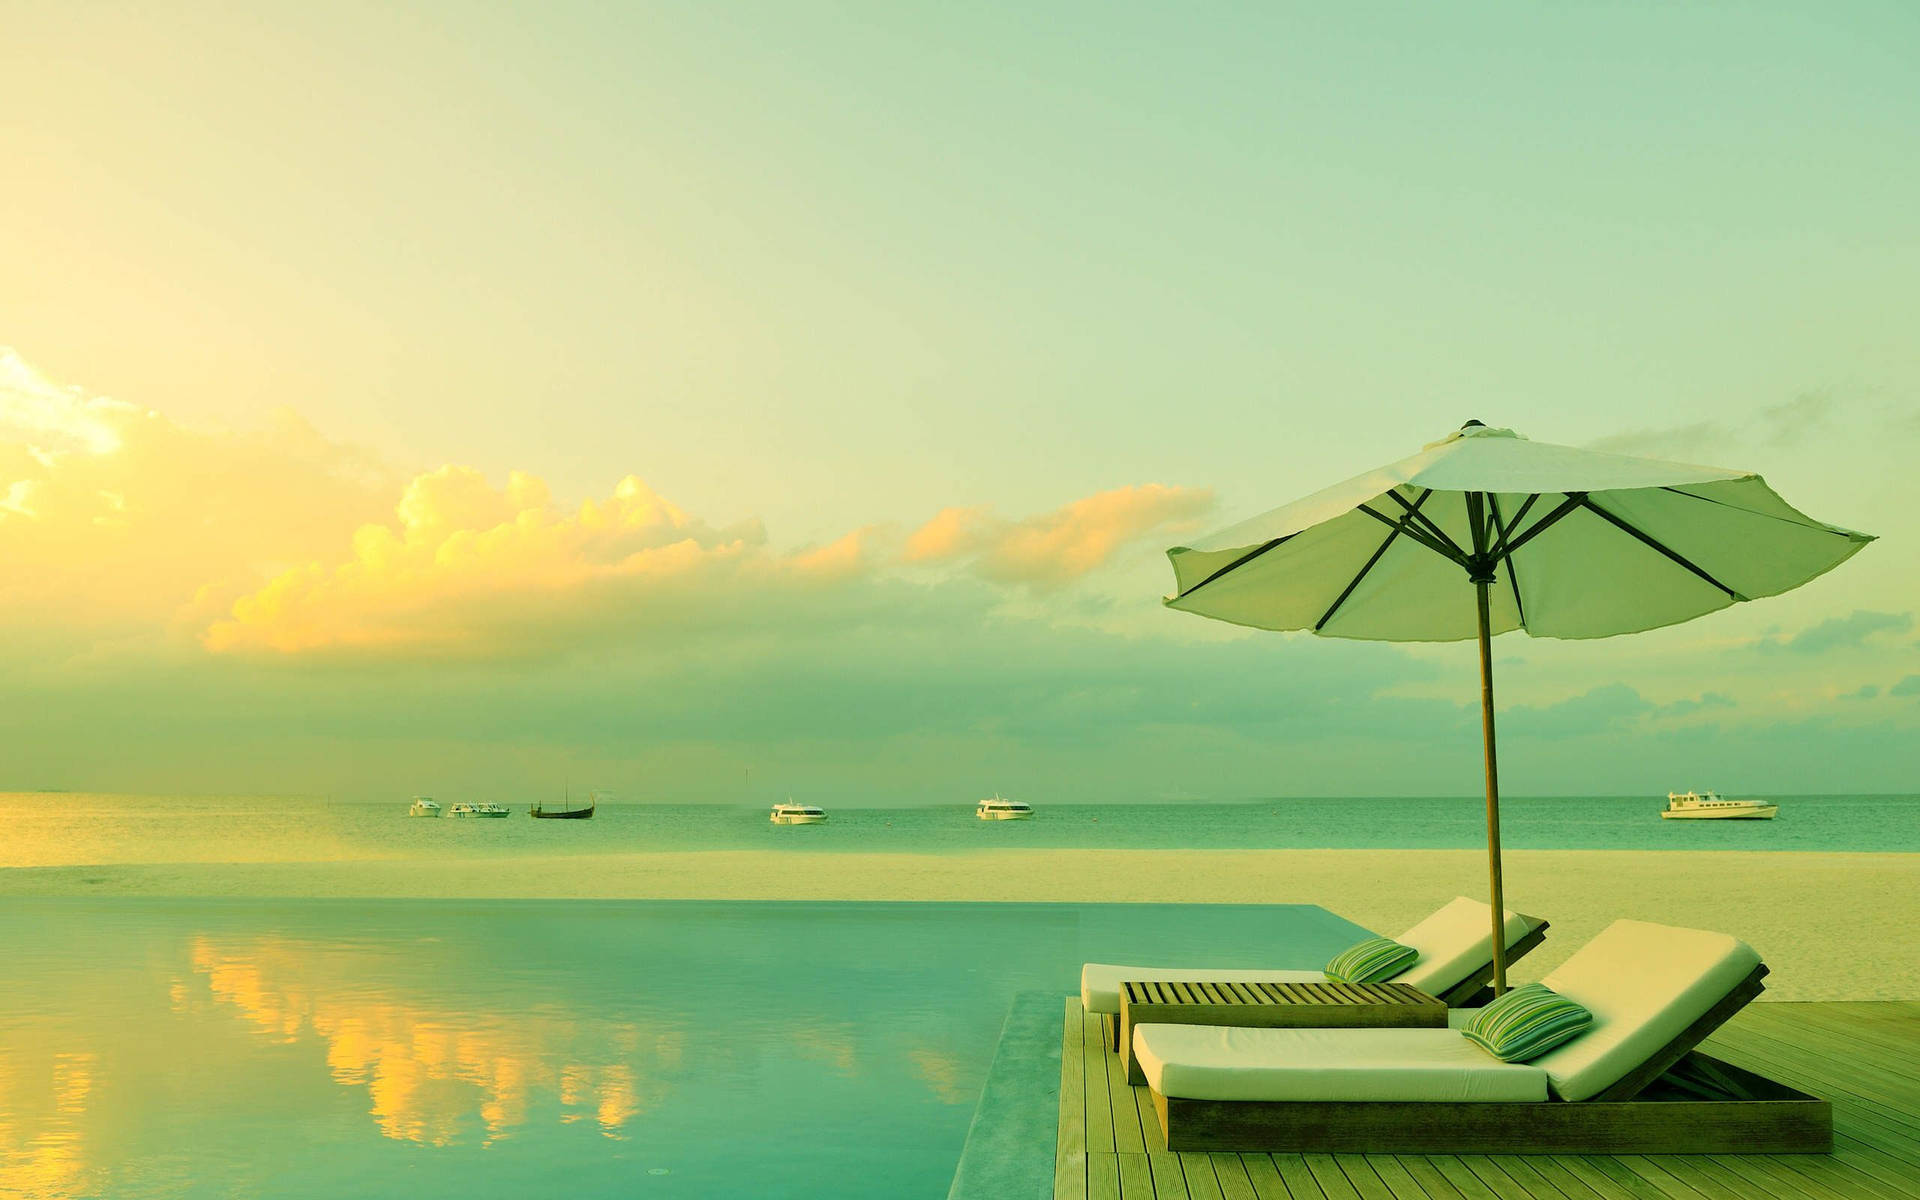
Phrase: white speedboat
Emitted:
{"points": [[797, 814], [1712, 806], [423, 806], [477, 810], [997, 808]]}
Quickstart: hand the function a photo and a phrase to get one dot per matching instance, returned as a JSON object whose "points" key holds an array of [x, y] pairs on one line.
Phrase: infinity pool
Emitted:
{"points": [[633, 1049]]}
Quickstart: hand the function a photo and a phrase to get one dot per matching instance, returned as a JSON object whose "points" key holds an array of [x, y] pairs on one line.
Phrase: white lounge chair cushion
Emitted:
{"points": [[1207, 1062], [1100, 982], [1454, 942], [1645, 984]]}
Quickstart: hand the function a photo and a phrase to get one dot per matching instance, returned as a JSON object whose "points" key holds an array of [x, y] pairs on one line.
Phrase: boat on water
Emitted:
{"points": [[798, 814], [998, 808], [423, 806], [568, 810], [477, 810], [1712, 806]]}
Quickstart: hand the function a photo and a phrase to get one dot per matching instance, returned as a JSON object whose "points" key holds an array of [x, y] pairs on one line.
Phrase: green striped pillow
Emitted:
{"points": [[1371, 961], [1526, 1023]]}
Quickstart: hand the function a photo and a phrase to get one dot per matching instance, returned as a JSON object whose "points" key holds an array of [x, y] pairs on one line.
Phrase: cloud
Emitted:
{"points": [[1865, 691], [469, 569], [1607, 708], [112, 515], [1788, 423], [282, 542], [1839, 633], [1056, 548], [1909, 686], [1707, 701]]}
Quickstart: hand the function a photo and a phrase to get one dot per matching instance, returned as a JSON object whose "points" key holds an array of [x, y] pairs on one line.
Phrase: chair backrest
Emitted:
{"points": [[1455, 942], [1646, 985]]}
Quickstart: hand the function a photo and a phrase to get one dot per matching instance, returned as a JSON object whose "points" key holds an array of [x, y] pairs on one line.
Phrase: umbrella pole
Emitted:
{"points": [[1493, 796]]}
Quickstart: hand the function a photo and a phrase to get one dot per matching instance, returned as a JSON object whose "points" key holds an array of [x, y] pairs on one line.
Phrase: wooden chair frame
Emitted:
{"points": [[1471, 992], [1677, 1102]]}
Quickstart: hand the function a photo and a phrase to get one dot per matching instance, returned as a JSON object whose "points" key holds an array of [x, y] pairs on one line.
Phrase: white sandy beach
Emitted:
{"points": [[1832, 926]]}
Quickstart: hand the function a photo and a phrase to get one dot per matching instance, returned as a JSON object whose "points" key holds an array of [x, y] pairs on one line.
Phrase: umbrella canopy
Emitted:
{"points": [[1486, 532]]}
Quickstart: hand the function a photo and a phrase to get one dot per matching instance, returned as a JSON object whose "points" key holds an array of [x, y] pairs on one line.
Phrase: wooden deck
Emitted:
{"points": [[1863, 1057]]}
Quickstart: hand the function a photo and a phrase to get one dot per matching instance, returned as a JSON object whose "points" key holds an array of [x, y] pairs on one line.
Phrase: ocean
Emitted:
{"points": [[52, 829]]}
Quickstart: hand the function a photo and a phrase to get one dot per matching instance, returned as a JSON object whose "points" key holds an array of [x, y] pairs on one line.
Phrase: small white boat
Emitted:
{"points": [[797, 814], [1712, 806], [997, 808], [477, 810], [423, 806]]}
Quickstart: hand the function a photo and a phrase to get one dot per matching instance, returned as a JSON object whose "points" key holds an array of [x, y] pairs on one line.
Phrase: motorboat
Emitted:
{"points": [[798, 814], [423, 806], [477, 810], [998, 808], [1712, 806]]}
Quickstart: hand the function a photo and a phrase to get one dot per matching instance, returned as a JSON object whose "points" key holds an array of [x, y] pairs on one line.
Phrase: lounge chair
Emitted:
{"points": [[1455, 963], [1631, 1083]]}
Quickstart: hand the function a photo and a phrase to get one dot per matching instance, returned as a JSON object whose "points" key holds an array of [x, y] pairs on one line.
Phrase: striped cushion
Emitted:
{"points": [[1371, 961], [1526, 1023]]}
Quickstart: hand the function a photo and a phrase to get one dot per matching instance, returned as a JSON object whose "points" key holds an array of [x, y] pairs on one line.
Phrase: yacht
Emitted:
{"points": [[477, 810], [423, 806], [999, 809], [1712, 806], [797, 814]]}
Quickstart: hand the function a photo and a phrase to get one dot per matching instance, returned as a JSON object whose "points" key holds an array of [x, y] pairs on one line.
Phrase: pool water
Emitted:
{"points": [[530, 1048]]}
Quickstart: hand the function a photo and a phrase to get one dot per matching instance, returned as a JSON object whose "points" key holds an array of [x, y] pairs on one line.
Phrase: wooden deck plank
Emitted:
{"points": [[1498, 1181], [1570, 1185], [1428, 1177], [1230, 1172], [1126, 1109], [1099, 1109], [1169, 1177], [1202, 1182], [1151, 1134], [1395, 1178], [1136, 1177], [1298, 1177], [1334, 1184], [1362, 1177], [1265, 1177], [1522, 1169], [1103, 1175], [1653, 1172], [1072, 1135]]}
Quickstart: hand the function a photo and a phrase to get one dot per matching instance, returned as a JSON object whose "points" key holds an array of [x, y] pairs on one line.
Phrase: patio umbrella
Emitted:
{"points": [[1486, 532]]}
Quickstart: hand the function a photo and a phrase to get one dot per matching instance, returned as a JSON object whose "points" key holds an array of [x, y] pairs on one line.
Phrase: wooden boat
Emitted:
{"points": [[567, 811]]}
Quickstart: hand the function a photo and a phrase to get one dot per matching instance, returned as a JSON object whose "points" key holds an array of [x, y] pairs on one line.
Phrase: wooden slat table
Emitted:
{"points": [[1326, 1005]]}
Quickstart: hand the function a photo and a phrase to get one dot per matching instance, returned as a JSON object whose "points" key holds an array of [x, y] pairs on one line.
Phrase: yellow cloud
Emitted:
{"points": [[467, 564], [281, 542], [111, 514], [1055, 548]]}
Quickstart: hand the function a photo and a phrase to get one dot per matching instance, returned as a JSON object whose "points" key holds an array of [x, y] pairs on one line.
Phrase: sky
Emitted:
{"points": [[716, 402]]}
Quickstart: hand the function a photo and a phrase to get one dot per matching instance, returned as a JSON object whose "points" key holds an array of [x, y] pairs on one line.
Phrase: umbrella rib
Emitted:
{"points": [[1500, 550], [1657, 546], [1815, 526], [1507, 528], [1574, 500], [1235, 565], [1449, 552], [1426, 522], [1393, 533]]}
